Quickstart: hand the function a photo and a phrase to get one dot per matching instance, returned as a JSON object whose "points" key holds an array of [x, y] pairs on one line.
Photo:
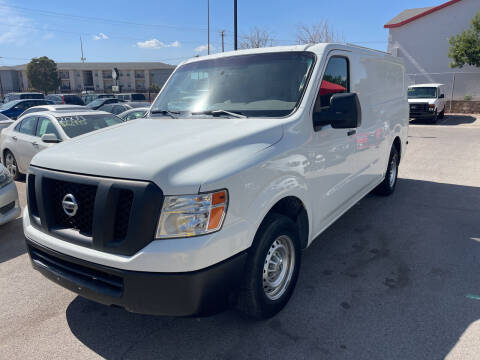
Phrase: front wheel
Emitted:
{"points": [[272, 268], [442, 114], [387, 186], [434, 118], [11, 165]]}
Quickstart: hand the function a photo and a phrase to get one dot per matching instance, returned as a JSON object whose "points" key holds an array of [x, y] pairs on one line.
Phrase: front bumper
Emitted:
{"points": [[9, 208], [202, 292]]}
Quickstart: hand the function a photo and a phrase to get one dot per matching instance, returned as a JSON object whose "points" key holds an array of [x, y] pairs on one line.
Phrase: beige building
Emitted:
{"points": [[76, 77]]}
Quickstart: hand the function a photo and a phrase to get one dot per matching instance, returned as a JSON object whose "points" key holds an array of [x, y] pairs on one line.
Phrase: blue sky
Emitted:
{"points": [[170, 31]]}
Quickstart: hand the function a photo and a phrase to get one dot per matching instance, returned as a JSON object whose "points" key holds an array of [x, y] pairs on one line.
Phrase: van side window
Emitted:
{"points": [[335, 80]]}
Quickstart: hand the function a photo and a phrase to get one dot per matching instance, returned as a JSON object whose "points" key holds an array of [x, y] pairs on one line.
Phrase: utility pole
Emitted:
{"points": [[222, 34], [235, 24], [1, 86], [81, 49], [208, 27]]}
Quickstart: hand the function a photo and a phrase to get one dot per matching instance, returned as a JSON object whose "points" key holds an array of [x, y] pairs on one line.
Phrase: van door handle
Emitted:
{"points": [[34, 143], [351, 132], [14, 138]]}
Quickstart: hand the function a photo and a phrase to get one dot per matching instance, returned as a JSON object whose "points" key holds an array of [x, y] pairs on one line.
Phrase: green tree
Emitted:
{"points": [[42, 74], [465, 47], [154, 88]]}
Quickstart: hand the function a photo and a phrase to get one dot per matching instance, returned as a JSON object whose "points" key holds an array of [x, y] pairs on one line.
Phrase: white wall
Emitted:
{"points": [[423, 43]]}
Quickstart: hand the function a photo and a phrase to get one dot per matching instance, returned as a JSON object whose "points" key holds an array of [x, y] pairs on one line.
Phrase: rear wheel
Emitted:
{"points": [[387, 186], [11, 165], [442, 114], [272, 268], [434, 118]]}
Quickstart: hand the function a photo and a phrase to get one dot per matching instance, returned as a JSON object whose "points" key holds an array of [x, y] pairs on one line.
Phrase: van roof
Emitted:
{"points": [[315, 48], [427, 85]]}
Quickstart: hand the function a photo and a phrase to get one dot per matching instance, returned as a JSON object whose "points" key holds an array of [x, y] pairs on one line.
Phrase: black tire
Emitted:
{"points": [[434, 118], [11, 164], [253, 300], [442, 114], [387, 186]]}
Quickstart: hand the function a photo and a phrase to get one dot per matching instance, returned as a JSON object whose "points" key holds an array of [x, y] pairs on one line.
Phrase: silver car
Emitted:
{"points": [[32, 133], [9, 206]]}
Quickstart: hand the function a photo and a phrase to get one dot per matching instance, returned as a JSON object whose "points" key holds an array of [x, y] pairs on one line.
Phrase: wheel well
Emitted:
{"points": [[4, 154], [293, 208], [398, 145]]}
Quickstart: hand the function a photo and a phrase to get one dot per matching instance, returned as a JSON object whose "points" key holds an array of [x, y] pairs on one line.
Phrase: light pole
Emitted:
{"points": [[235, 24], [208, 27]]}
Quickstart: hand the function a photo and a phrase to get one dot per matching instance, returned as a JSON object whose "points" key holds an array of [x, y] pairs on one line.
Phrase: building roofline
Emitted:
{"points": [[422, 14]]}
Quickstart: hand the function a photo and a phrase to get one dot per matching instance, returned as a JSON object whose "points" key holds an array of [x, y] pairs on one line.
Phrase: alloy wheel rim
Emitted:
{"points": [[278, 267], [393, 171], [11, 165]]}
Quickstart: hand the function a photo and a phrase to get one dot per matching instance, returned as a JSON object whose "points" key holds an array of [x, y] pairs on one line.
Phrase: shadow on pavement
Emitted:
{"points": [[388, 280], [12, 243], [458, 120]]}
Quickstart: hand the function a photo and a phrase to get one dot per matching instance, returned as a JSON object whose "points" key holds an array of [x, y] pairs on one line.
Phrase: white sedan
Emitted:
{"points": [[9, 206], [32, 133]]}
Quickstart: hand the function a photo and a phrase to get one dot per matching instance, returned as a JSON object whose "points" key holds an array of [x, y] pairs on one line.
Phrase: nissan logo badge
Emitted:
{"points": [[69, 205]]}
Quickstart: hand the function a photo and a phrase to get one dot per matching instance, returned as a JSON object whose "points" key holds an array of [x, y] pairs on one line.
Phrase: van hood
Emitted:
{"points": [[179, 155], [422, 101]]}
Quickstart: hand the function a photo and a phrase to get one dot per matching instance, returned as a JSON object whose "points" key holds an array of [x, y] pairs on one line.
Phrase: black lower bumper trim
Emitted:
{"points": [[200, 293]]}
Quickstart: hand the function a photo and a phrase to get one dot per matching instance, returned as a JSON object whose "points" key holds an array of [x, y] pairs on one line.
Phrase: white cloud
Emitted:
{"points": [[202, 48], [100, 36], [156, 44], [15, 27]]}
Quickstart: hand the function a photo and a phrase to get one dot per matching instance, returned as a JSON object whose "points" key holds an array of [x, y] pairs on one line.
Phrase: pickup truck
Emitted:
{"points": [[244, 158]]}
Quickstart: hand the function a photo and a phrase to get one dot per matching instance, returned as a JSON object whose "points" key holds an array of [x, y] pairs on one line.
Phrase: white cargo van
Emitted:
{"points": [[427, 101], [245, 159]]}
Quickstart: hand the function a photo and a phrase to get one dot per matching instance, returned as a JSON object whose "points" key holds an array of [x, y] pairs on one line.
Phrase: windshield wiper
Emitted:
{"points": [[172, 114], [220, 112]]}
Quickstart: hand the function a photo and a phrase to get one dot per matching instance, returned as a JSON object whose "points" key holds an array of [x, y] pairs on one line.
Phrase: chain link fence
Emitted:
{"points": [[458, 85]]}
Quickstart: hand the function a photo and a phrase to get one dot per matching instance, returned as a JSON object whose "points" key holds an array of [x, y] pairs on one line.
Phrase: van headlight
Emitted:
{"points": [[5, 177], [192, 215]]}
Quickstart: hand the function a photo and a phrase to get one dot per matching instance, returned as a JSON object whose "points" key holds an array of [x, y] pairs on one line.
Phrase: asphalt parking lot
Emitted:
{"points": [[394, 278]]}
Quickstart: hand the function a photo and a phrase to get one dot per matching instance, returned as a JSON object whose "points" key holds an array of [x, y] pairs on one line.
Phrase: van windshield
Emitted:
{"points": [[261, 85], [422, 93]]}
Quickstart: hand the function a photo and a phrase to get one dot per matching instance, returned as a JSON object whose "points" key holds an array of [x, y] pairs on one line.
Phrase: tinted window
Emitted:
{"points": [[28, 125], [135, 115], [138, 97], [81, 124], [335, 80], [117, 109], [95, 103], [24, 105], [45, 126], [107, 108], [32, 96], [422, 93], [73, 99]]}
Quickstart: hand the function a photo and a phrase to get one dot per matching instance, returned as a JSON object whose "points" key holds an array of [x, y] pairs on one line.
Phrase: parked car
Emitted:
{"points": [[22, 95], [427, 101], [41, 108], [5, 121], [131, 97], [98, 103], [120, 108], [9, 206], [32, 133], [65, 99], [13, 109], [133, 114], [211, 200], [88, 98]]}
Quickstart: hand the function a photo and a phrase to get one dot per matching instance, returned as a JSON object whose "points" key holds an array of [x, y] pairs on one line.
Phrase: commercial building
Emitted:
{"points": [[421, 35], [97, 76]]}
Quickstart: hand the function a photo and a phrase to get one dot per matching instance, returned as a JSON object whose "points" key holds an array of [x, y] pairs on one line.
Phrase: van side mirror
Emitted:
{"points": [[441, 96], [50, 139], [344, 112]]}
